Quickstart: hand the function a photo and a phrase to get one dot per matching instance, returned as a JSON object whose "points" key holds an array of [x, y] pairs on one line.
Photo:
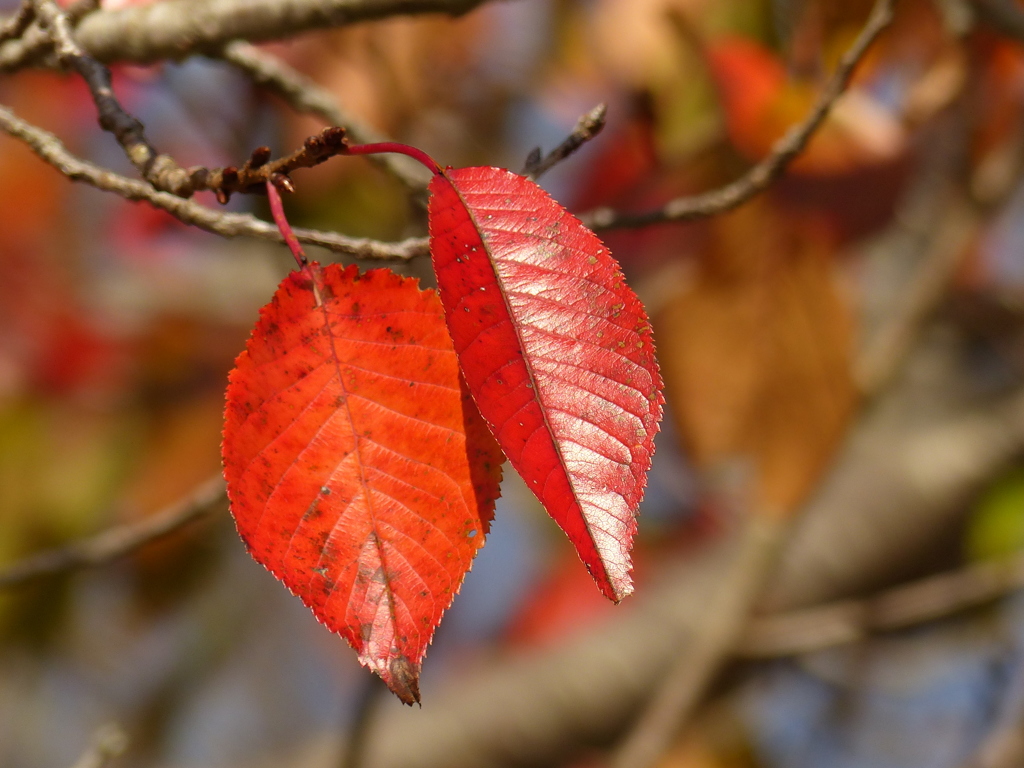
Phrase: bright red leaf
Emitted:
{"points": [[358, 469], [557, 352]]}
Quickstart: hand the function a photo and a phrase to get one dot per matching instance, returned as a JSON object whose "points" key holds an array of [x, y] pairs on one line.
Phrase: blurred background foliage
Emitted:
{"points": [[120, 325]]}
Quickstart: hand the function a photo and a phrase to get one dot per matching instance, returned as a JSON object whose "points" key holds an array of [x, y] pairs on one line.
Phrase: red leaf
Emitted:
{"points": [[557, 352], [358, 469]]}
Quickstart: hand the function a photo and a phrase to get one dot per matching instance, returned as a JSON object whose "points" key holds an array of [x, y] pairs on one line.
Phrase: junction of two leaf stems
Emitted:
{"points": [[277, 208]]}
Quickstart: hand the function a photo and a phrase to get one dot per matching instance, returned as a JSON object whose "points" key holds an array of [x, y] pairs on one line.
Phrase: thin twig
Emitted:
{"points": [[119, 541], [787, 149], [587, 127], [108, 742], [696, 665], [52, 150], [14, 26], [304, 95], [849, 621]]}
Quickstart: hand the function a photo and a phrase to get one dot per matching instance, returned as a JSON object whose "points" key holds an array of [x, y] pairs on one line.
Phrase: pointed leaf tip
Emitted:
{"points": [[404, 680], [558, 354], [357, 469]]}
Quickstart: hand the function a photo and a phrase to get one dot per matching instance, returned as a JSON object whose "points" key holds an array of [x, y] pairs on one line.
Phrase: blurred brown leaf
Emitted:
{"points": [[755, 347]]}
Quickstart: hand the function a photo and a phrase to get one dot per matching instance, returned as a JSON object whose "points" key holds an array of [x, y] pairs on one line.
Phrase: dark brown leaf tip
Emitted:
{"points": [[404, 680]]}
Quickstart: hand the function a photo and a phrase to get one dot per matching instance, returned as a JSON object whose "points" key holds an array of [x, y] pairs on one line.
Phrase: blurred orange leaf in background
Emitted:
{"points": [[755, 344]]}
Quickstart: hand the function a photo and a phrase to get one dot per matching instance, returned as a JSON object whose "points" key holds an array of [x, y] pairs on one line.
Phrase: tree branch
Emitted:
{"points": [[176, 29], [848, 621], [787, 149], [50, 149], [688, 676], [117, 542], [304, 95]]}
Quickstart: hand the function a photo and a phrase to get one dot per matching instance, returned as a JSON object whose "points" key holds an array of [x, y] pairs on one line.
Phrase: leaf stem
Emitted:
{"points": [[393, 146], [277, 211]]}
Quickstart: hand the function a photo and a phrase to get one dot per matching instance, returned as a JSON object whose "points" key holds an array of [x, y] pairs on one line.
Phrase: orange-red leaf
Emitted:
{"points": [[358, 470], [557, 352]]}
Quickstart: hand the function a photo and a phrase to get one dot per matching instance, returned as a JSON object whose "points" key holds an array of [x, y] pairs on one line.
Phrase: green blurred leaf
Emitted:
{"points": [[996, 528]]}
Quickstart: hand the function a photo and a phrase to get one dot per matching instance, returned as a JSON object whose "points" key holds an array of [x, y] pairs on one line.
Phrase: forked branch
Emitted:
{"points": [[158, 169]]}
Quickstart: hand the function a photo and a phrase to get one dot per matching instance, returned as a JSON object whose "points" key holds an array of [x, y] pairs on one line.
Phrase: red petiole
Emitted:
{"points": [[277, 211], [402, 149]]}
